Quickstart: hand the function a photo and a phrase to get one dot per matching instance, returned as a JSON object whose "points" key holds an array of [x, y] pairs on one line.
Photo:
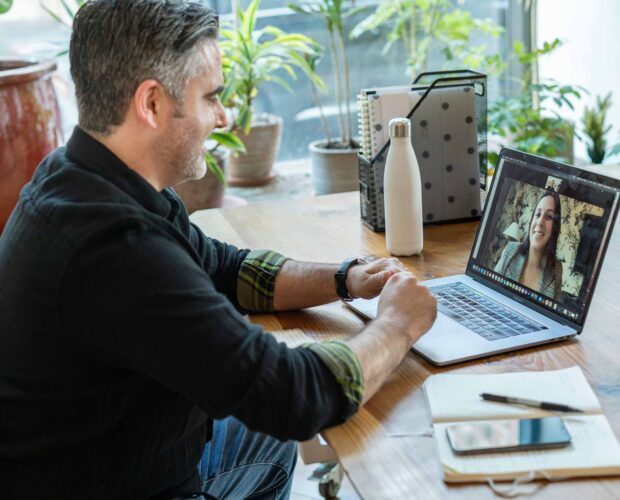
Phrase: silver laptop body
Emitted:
{"points": [[488, 309]]}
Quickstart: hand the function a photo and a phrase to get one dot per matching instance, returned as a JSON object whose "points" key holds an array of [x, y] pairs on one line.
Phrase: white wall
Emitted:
{"points": [[590, 56]]}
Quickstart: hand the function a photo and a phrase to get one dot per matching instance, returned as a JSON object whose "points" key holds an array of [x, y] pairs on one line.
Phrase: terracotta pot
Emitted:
{"points": [[207, 192], [29, 125], [333, 170], [262, 144]]}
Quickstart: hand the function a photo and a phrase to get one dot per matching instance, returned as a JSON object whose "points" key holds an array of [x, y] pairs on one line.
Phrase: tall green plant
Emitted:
{"points": [[596, 128], [420, 25], [251, 57], [333, 13]]}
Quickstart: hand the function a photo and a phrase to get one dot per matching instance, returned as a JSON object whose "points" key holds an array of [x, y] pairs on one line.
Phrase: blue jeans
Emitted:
{"points": [[238, 463]]}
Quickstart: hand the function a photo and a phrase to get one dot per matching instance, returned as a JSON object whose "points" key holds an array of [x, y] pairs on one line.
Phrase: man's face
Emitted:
{"points": [[182, 146]]}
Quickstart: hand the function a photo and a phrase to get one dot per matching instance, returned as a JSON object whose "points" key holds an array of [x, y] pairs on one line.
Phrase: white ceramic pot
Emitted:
{"points": [[333, 170]]}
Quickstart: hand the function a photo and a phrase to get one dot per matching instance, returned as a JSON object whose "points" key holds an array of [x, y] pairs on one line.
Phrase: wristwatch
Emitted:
{"points": [[341, 278]]}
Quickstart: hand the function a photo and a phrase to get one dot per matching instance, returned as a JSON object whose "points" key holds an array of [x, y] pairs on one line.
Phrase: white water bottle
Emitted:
{"points": [[402, 192]]}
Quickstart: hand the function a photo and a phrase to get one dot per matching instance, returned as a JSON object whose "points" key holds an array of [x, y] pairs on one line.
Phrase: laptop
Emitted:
{"points": [[532, 269]]}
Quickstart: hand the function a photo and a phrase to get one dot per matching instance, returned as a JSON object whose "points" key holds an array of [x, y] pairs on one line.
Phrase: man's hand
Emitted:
{"points": [[406, 311], [407, 305], [367, 280]]}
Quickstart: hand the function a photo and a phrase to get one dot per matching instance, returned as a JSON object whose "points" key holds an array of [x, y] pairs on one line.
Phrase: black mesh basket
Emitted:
{"points": [[371, 170]]}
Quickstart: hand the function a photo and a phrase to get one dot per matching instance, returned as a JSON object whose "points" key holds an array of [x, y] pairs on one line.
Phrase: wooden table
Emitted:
{"points": [[380, 464]]}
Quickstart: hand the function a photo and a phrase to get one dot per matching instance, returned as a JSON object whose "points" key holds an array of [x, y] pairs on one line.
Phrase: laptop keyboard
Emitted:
{"points": [[488, 318]]}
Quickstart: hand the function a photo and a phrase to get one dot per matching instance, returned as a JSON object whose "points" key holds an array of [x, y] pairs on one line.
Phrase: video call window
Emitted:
{"points": [[545, 232]]}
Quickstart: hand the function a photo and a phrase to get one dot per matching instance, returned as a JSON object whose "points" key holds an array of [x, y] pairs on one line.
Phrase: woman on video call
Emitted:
{"points": [[533, 262]]}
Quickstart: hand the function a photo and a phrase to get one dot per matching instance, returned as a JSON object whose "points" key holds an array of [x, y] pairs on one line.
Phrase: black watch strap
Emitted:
{"points": [[341, 278]]}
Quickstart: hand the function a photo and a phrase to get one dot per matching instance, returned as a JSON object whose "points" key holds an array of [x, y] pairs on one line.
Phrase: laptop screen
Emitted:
{"points": [[544, 232]]}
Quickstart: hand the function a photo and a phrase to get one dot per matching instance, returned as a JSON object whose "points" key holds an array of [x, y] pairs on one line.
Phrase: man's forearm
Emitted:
{"points": [[303, 284], [406, 310], [380, 348]]}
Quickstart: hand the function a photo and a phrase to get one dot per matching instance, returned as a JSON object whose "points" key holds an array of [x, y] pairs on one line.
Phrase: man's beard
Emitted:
{"points": [[184, 154], [189, 163]]}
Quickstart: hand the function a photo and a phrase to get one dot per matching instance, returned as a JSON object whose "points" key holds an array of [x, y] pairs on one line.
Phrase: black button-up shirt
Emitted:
{"points": [[121, 336]]}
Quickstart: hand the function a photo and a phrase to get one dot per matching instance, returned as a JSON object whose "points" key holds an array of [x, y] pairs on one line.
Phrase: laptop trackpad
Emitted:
{"points": [[448, 340]]}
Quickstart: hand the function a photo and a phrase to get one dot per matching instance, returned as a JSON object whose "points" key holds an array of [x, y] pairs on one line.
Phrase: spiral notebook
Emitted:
{"points": [[594, 449]]}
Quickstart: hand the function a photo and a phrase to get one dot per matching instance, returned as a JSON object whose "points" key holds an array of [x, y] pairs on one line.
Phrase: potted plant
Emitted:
{"points": [[595, 129], [250, 58], [334, 160], [31, 126]]}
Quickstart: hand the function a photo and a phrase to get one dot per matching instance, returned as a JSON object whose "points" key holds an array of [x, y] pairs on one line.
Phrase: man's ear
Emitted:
{"points": [[151, 103]]}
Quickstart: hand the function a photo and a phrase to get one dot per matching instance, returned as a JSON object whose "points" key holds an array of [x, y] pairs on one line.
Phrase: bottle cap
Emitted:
{"points": [[400, 127]]}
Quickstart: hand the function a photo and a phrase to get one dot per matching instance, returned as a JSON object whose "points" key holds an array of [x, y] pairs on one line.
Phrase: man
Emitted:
{"points": [[121, 327]]}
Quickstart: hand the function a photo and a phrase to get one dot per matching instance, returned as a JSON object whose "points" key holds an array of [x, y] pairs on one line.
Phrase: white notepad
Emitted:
{"points": [[594, 449]]}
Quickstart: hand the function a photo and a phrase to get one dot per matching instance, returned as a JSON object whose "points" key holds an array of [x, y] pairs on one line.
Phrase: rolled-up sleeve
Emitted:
{"points": [[257, 279], [345, 367], [255, 290]]}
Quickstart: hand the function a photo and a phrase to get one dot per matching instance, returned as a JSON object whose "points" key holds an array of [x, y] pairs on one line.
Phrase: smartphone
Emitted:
{"points": [[508, 435]]}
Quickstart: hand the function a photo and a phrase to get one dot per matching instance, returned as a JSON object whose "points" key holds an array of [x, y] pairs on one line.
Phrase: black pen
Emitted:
{"points": [[545, 405]]}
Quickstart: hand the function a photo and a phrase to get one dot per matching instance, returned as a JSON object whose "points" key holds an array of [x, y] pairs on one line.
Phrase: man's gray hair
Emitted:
{"points": [[117, 44]]}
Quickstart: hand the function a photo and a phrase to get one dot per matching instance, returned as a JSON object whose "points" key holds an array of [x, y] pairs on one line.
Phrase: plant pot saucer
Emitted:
{"points": [[243, 182]]}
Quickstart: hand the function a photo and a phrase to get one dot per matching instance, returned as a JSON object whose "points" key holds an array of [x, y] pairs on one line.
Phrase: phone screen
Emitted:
{"points": [[508, 435]]}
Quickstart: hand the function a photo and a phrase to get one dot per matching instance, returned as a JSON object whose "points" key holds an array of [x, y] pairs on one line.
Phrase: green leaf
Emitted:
{"points": [[309, 9], [229, 140], [289, 70], [214, 167], [249, 21], [280, 81], [5, 5]]}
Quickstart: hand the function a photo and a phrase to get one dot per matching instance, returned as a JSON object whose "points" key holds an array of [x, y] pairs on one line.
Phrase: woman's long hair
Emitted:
{"points": [[552, 245]]}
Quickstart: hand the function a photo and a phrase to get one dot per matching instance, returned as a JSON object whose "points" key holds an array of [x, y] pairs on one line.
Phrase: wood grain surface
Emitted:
{"points": [[383, 448]]}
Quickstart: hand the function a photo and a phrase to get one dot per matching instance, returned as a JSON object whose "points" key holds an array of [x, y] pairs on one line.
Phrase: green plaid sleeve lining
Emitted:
{"points": [[257, 280], [344, 365]]}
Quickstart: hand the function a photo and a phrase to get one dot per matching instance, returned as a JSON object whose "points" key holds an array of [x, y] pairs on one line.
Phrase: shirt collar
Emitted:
{"points": [[85, 150]]}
